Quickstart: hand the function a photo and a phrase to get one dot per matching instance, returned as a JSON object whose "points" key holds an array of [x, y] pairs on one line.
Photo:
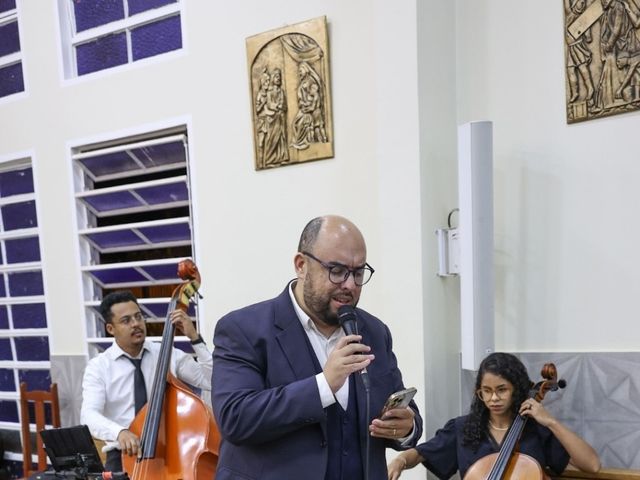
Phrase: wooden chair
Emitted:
{"points": [[39, 398]]}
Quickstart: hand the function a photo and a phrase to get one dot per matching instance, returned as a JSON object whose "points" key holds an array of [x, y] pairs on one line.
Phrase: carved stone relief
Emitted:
{"points": [[602, 58], [291, 98]]}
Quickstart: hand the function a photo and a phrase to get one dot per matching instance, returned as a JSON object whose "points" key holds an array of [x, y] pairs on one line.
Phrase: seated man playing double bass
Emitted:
{"points": [[110, 401], [502, 393]]}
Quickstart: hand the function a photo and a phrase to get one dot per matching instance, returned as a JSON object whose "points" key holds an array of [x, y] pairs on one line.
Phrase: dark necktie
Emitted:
{"points": [[139, 387]]}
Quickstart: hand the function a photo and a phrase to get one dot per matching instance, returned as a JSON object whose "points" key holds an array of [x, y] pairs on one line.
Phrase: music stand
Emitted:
{"points": [[72, 450]]}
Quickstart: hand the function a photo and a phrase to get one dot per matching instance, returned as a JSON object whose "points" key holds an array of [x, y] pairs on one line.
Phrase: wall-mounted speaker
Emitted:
{"points": [[475, 241]]}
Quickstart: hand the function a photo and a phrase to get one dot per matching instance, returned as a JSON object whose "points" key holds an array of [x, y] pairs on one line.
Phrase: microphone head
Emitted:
{"points": [[562, 383], [347, 319], [346, 311]]}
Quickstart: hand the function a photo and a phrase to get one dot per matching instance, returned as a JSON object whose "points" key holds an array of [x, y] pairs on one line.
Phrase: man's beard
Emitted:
{"points": [[320, 304]]}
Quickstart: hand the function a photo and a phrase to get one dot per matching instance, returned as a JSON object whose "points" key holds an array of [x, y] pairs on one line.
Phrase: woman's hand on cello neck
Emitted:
{"points": [[534, 409]]}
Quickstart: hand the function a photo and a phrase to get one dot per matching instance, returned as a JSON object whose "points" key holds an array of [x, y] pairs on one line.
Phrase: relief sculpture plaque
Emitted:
{"points": [[602, 56], [290, 96]]}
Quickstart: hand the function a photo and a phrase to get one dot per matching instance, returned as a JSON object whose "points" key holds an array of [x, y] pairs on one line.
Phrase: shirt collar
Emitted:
{"points": [[302, 316], [116, 352]]}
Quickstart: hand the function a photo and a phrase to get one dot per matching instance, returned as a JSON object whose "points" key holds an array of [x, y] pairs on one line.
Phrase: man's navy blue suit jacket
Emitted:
{"points": [[266, 401]]}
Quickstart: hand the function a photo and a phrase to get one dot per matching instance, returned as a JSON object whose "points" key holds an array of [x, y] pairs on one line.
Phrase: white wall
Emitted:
{"points": [[565, 195], [438, 129]]}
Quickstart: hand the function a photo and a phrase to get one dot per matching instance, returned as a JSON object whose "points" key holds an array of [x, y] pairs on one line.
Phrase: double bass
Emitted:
{"points": [[178, 435], [508, 463]]}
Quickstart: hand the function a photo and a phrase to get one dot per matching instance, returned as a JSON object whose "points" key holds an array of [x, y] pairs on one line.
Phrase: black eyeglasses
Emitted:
{"points": [[339, 273]]}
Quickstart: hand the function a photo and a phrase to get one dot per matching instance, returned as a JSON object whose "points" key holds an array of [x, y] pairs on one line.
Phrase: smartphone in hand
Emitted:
{"points": [[400, 399]]}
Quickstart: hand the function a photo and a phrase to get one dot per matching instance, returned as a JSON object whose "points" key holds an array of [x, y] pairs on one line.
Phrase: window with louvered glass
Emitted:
{"points": [[134, 224]]}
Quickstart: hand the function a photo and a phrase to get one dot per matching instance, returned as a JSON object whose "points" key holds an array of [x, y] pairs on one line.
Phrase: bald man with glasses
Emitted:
{"points": [[283, 392]]}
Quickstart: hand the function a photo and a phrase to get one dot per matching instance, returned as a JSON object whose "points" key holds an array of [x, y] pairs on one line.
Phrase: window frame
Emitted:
{"points": [[70, 39], [155, 135], [9, 163], [13, 58]]}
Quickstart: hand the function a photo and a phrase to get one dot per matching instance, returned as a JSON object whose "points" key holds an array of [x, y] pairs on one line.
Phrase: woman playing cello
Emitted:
{"points": [[502, 393]]}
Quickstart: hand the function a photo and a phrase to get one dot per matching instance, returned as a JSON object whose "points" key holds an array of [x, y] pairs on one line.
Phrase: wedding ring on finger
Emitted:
{"points": [[394, 432]]}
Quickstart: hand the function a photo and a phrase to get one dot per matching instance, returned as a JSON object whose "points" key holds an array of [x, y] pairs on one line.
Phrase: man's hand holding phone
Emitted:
{"points": [[396, 419]]}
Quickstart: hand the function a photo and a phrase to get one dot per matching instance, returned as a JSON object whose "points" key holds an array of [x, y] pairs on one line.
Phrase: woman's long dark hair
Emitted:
{"points": [[508, 367]]}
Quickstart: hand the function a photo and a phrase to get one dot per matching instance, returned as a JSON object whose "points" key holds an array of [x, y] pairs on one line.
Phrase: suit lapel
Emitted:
{"points": [[292, 338], [294, 343]]}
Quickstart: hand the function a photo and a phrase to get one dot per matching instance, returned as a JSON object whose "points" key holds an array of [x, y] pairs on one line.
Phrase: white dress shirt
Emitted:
{"points": [[107, 387], [322, 347]]}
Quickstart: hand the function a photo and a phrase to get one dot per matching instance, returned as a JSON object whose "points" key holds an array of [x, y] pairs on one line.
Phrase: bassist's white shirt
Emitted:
{"points": [[107, 387]]}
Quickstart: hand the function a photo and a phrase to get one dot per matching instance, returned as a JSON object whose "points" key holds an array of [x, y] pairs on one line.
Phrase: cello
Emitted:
{"points": [[179, 439], [508, 463]]}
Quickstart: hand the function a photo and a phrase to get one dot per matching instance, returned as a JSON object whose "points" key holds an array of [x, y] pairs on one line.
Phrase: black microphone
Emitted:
{"points": [[348, 322], [347, 319]]}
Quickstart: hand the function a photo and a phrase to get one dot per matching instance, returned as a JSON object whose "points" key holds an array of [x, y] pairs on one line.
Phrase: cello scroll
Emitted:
{"points": [[549, 384]]}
